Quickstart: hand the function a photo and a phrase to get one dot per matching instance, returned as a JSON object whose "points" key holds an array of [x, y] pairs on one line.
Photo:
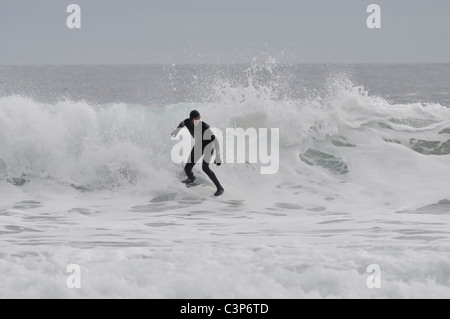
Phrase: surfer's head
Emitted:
{"points": [[195, 117]]}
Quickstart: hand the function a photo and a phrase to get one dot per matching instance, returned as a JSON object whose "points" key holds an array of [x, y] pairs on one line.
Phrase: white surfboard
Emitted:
{"points": [[207, 192]]}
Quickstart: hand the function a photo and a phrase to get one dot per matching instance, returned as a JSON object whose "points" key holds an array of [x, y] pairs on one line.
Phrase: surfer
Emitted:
{"points": [[205, 143]]}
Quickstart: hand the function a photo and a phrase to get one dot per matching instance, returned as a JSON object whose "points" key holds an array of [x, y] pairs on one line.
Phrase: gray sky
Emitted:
{"points": [[225, 31]]}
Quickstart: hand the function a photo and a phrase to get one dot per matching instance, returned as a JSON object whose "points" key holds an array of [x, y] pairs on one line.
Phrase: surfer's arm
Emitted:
{"points": [[177, 130]]}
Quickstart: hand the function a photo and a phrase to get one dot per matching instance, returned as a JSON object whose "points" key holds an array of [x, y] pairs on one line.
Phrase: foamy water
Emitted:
{"points": [[362, 180]]}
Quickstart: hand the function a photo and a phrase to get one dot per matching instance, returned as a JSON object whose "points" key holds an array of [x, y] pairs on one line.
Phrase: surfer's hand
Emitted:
{"points": [[218, 162]]}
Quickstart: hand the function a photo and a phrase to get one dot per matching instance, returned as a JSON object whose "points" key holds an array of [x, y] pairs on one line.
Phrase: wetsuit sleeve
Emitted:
{"points": [[177, 130]]}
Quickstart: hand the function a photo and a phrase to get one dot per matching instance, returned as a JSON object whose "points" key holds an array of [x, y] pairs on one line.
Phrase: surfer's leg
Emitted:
{"points": [[188, 169], [211, 175], [190, 164]]}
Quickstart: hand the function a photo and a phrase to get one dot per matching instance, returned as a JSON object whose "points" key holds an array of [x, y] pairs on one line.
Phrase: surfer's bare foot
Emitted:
{"points": [[219, 192]]}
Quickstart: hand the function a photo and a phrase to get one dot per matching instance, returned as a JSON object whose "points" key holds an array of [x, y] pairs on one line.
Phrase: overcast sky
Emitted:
{"points": [[225, 31]]}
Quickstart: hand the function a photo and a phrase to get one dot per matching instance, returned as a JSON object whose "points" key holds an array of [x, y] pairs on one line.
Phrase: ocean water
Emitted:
{"points": [[86, 178]]}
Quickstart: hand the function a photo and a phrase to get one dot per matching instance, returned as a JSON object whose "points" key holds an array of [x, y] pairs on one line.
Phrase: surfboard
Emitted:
{"points": [[207, 192]]}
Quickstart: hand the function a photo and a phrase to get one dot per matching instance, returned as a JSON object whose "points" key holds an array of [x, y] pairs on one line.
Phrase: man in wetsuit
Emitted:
{"points": [[205, 143]]}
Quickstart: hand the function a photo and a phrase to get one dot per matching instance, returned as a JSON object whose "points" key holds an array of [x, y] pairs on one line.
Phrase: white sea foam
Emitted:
{"points": [[94, 185]]}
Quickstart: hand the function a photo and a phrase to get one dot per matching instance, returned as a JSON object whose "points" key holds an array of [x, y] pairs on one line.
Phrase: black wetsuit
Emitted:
{"points": [[203, 137]]}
